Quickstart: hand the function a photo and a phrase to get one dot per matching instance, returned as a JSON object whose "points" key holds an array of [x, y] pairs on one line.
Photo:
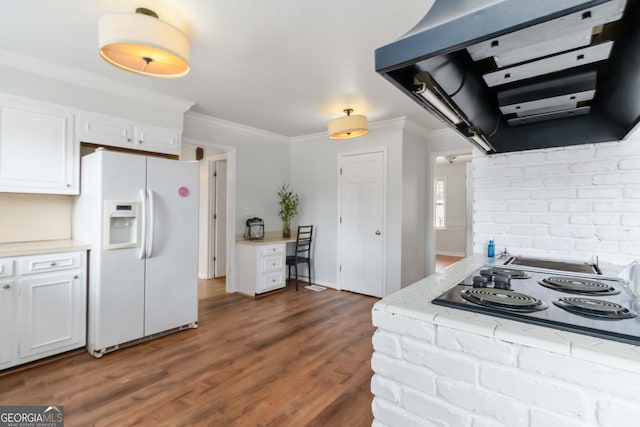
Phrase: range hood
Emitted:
{"points": [[513, 75]]}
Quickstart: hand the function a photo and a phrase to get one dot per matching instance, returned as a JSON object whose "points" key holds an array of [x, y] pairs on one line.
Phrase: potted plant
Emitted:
{"points": [[289, 203]]}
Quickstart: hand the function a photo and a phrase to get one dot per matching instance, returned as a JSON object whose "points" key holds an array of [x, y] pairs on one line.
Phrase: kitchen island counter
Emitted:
{"points": [[444, 366]]}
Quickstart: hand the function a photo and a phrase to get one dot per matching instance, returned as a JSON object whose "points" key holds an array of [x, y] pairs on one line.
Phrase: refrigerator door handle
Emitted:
{"points": [[143, 226], [151, 229]]}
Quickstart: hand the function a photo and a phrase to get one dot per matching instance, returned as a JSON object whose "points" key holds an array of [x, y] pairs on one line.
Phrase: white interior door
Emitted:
{"points": [[362, 231], [220, 220]]}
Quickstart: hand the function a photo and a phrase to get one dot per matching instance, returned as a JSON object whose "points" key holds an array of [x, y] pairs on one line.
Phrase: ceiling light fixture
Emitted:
{"points": [[348, 126], [143, 44]]}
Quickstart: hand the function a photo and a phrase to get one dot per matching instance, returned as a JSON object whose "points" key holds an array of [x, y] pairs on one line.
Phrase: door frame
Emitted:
{"points": [[231, 154], [431, 232], [211, 235], [342, 154]]}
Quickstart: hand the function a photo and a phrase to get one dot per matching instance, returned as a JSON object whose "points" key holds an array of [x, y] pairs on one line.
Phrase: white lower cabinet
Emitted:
{"points": [[261, 268], [44, 306], [7, 302]]}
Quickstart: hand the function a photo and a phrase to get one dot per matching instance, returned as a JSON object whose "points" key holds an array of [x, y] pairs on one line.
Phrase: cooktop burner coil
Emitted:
{"points": [[503, 299], [597, 308], [578, 285]]}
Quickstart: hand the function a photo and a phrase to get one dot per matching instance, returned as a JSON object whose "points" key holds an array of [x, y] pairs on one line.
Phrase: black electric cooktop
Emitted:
{"points": [[587, 304]]}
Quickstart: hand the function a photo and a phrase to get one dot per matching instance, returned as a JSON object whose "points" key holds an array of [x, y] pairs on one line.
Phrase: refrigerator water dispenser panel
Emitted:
{"points": [[122, 224]]}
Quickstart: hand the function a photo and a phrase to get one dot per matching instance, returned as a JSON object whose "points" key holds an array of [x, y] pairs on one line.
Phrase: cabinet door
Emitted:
{"points": [[154, 138], [7, 333], [105, 130], [51, 313], [38, 151]]}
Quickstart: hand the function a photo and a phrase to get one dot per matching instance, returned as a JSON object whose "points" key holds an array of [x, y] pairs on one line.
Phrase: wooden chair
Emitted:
{"points": [[302, 253]]}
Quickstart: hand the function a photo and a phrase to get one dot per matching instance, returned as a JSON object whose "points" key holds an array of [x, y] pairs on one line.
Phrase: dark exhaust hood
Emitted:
{"points": [[513, 75]]}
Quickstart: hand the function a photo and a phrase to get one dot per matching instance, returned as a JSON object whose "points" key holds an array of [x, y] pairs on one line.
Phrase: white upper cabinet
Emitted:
{"points": [[154, 138], [112, 131], [38, 151], [99, 129]]}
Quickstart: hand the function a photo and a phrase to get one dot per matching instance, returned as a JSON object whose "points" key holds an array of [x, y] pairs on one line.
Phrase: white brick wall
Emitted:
{"points": [[451, 378], [572, 202]]}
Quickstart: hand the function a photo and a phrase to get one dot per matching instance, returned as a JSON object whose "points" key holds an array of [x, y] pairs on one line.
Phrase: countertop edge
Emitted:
{"points": [[42, 247]]}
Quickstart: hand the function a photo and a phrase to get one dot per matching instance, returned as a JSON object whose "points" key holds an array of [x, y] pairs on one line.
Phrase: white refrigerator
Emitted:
{"points": [[140, 215]]}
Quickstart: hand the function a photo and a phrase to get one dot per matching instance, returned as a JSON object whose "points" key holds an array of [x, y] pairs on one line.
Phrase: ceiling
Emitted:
{"points": [[284, 66]]}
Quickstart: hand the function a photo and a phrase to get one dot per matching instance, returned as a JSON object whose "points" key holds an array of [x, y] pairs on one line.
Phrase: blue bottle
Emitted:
{"points": [[491, 249]]}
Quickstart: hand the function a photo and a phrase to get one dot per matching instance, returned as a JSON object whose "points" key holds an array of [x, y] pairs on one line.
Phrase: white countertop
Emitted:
{"points": [[414, 302], [41, 247]]}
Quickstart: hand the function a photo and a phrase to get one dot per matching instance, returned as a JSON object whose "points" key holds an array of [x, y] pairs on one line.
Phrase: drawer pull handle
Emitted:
{"points": [[6, 287], [53, 264]]}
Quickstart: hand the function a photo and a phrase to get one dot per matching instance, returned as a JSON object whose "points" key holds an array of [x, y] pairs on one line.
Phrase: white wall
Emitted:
{"points": [[262, 165], [452, 239], [314, 175], [572, 203], [415, 180]]}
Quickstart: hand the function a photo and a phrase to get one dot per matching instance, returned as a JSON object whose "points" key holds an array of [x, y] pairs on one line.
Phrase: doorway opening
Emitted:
{"points": [[217, 210], [450, 209]]}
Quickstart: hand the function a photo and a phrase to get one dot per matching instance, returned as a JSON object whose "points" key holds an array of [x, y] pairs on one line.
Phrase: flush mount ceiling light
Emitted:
{"points": [[348, 126], [143, 44]]}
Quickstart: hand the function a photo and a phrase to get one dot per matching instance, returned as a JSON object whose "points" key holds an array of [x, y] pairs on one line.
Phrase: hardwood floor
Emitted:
{"points": [[444, 261], [289, 359]]}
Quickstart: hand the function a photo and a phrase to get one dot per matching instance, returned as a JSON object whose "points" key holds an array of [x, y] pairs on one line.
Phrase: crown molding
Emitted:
{"points": [[233, 127], [90, 80]]}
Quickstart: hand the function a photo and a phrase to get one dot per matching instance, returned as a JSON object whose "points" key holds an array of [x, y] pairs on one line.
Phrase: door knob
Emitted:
{"points": [[378, 232], [7, 286]]}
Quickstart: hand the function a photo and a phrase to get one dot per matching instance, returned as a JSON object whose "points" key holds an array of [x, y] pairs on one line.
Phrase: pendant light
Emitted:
{"points": [[143, 44], [348, 126]]}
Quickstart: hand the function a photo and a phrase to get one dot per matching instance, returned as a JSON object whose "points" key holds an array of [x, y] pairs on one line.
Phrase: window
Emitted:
{"points": [[439, 195]]}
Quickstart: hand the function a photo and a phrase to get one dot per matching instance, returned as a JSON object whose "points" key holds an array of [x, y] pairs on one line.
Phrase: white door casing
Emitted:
{"points": [[361, 223], [220, 220]]}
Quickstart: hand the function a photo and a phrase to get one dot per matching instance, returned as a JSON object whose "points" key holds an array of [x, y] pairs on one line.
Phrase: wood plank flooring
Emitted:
{"points": [[444, 261], [289, 359]]}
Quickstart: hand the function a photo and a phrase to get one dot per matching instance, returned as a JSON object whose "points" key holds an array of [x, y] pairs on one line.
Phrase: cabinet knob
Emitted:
{"points": [[68, 185], [53, 264], [128, 139], [378, 232], [76, 276], [6, 287], [140, 141]]}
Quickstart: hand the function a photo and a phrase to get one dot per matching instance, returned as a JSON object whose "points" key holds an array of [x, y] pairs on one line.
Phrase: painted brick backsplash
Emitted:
{"points": [[571, 202]]}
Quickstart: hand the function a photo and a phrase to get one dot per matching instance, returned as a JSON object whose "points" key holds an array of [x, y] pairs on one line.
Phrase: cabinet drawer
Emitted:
{"points": [[50, 262], [6, 267], [273, 263], [271, 281], [272, 250]]}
